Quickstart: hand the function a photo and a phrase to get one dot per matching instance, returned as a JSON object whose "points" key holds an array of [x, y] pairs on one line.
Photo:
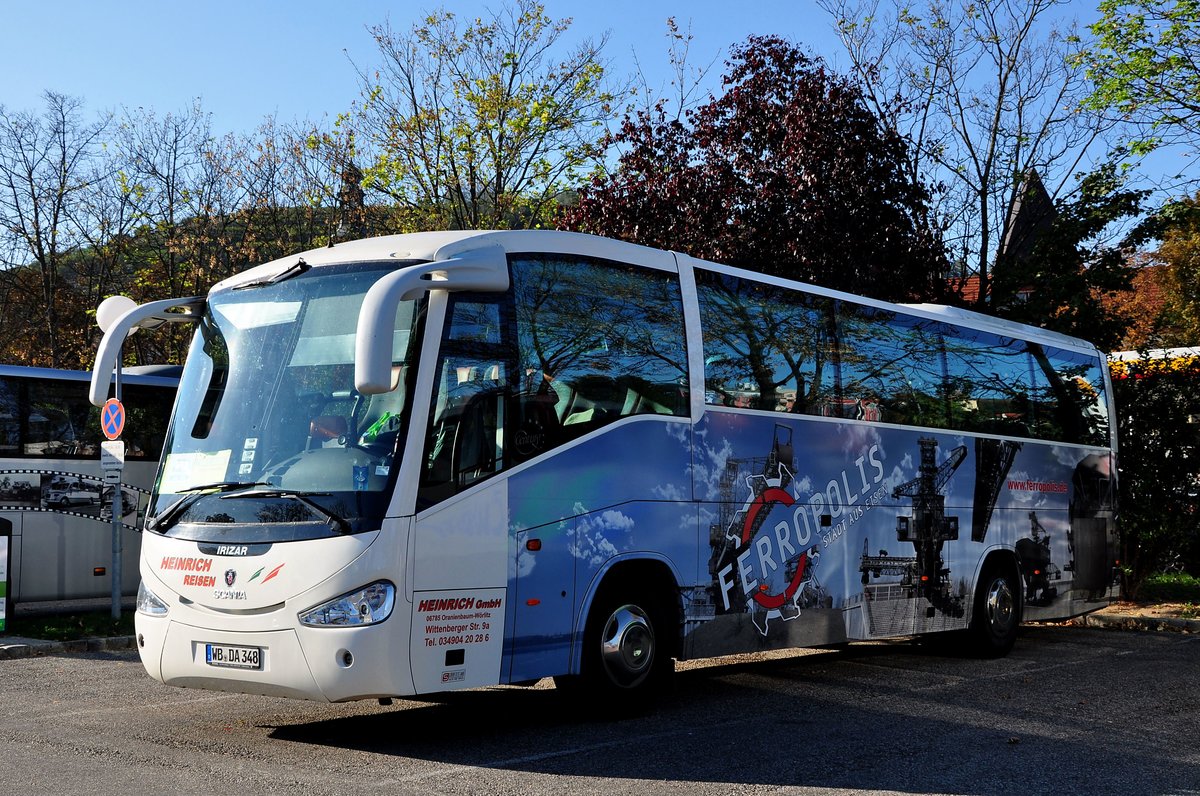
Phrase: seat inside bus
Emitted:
{"points": [[593, 401]]}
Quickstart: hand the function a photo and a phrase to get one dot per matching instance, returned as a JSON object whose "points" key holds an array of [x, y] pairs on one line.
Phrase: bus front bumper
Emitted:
{"points": [[322, 664]]}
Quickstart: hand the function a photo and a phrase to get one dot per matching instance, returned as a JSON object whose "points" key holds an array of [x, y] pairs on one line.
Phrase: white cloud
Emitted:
{"points": [[671, 492]]}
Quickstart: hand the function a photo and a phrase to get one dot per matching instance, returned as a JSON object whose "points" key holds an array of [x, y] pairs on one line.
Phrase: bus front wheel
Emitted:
{"points": [[624, 655]]}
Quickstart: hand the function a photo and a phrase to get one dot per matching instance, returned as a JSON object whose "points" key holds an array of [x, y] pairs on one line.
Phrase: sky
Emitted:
{"points": [[246, 59]]}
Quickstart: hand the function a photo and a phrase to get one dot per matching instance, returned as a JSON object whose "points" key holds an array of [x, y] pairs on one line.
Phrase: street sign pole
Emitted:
{"points": [[116, 546], [117, 501]]}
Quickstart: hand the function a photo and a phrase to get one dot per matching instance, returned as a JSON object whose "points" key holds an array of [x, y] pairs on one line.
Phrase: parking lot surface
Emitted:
{"points": [[1072, 710]]}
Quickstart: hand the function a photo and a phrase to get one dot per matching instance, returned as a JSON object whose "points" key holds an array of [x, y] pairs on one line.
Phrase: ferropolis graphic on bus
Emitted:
{"points": [[52, 489], [445, 460]]}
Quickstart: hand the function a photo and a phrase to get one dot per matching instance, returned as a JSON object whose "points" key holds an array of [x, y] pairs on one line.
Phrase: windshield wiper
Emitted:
{"points": [[297, 269], [335, 521], [191, 495]]}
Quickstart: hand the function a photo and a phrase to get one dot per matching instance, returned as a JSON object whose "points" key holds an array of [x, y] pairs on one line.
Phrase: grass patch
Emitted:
{"points": [[70, 627], [1175, 587]]}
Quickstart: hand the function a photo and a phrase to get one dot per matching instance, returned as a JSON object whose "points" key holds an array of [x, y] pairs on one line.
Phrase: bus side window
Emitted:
{"points": [[466, 439], [1068, 396], [147, 410], [765, 347], [607, 340], [10, 416], [891, 366], [988, 382], [575, 345], [61, 422]]}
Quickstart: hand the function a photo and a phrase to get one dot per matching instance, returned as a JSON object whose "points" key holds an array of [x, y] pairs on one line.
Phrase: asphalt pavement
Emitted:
{"points": [[18, 647], [1071, 710]]}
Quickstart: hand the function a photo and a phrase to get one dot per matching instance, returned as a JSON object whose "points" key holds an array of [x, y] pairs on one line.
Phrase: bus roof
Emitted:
{"points": [[435, 246]]}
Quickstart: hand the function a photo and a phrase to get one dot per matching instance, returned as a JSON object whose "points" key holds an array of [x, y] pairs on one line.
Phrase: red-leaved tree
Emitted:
{"points": [[787, 173]]}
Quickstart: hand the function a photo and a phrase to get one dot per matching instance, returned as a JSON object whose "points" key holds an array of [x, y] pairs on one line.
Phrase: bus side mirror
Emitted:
{"points": [[484, 269], [149, 315]]}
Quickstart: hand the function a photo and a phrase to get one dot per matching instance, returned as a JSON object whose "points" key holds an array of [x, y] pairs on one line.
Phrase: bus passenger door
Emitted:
{"points": [[460, 597], [461, 549]]}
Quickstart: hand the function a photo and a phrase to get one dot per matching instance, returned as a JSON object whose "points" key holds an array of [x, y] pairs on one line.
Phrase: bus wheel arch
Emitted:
{"points": [[631, 631], [997, 605]]}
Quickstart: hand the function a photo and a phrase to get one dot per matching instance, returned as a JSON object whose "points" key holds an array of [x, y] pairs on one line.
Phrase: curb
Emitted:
{"points": [[1118, 622], [32, 648]]}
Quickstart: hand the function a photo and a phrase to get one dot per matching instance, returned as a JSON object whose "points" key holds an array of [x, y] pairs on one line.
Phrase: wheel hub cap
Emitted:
{"points": [[627, 646]]}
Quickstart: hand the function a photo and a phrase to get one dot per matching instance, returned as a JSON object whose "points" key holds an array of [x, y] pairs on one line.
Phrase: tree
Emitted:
{"points": [[988, 93], [47, 166], [1142, 307], [1065, 280], [1179, 252], [480, 125], [788, 172], [1145, 64]]}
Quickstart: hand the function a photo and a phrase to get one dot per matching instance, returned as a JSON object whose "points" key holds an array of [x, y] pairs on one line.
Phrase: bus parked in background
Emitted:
{"points": [[51, 485], [446, 460], [1119, 359]]}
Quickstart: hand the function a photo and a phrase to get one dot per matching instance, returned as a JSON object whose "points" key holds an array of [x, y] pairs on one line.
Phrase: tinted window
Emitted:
{"points": [[891, 366], [1069, 396], [60, 420], [599, 341], [573, 346], [10, 416], [780, 349], [765, 347], [147, 412], [988, 383], [468, 425], [48, 418]]}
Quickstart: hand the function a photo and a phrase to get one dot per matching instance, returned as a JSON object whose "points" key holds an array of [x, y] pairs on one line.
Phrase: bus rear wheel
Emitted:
{"points": [[997, 612]]}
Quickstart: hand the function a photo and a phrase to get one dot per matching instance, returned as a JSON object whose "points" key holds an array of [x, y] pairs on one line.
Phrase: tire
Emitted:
{"points": [[997, 613], [626, 654]]}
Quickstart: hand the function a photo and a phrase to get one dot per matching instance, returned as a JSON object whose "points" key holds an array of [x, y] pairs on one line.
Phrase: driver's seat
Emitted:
{"points": [[325, 430]]}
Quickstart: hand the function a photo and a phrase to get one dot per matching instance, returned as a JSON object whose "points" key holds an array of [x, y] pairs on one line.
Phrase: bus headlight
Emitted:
{"points": [[149, 603], [369, 605]]}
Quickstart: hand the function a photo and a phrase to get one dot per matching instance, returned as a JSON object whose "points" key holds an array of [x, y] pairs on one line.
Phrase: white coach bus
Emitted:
{"points": [[446, 460]]}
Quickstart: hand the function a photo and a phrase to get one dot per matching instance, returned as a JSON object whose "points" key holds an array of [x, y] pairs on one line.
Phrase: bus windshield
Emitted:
{"points": [[270, 440]]}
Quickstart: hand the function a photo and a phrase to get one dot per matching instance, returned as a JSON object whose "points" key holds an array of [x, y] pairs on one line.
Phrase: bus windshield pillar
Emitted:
{"points": [[484, 269]]}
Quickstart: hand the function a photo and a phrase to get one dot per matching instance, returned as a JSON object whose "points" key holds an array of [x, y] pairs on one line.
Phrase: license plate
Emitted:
{"points": [[233, 657]]}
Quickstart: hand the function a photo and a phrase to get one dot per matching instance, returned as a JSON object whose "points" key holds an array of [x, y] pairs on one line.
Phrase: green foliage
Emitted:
{"points": [[47, 168], [464, 126], [165, 208], [1171, 587], [478, 126], [1145, 69], [987, 91], [1159, 457]]}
